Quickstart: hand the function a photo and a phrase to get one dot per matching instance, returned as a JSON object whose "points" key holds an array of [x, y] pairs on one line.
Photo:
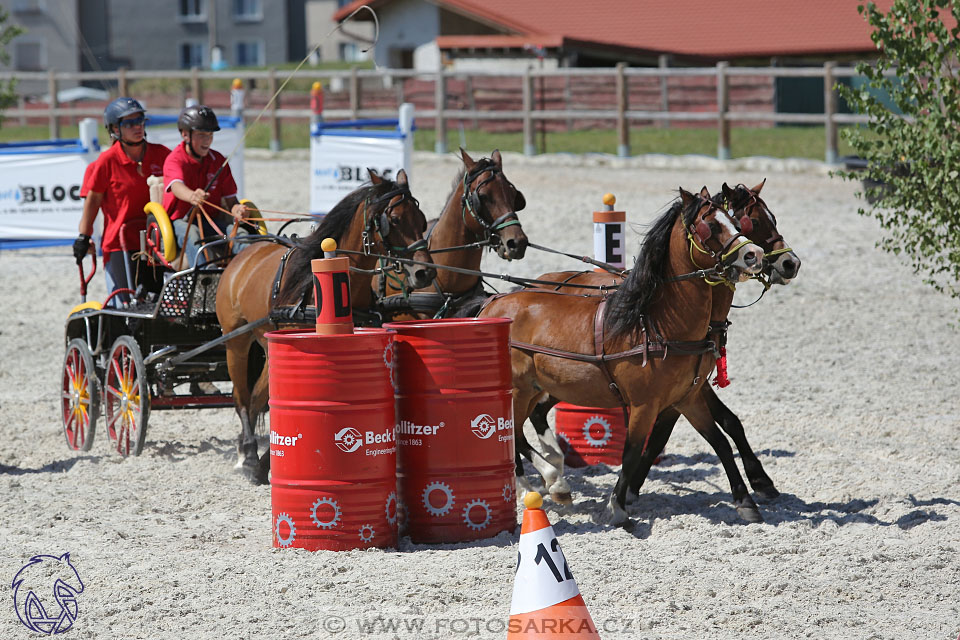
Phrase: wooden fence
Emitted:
{"points": [[618, 97]]}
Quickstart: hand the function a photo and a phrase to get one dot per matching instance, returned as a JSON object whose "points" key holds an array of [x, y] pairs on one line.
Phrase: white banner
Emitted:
{"points": [[40, 195], [339, 163]]}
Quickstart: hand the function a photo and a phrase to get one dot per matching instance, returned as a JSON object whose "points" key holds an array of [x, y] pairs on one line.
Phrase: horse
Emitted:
{"points": [[480, 211], [780, 266], [379, 218], [647, 351]]}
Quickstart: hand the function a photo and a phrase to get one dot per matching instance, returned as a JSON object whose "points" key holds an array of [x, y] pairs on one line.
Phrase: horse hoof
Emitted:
{"points": [[750, 513], [767, 494], [561, 497]]}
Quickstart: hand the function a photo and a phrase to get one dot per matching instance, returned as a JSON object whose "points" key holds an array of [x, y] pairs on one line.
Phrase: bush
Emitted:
{"points": [[911, 145]]}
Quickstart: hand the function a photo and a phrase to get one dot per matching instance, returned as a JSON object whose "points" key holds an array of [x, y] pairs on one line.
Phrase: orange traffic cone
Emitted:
{"points": [[546, 600]]}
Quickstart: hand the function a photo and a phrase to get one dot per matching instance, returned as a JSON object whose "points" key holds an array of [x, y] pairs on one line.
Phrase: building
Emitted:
{"points": [[465, 34], [105, 35]]}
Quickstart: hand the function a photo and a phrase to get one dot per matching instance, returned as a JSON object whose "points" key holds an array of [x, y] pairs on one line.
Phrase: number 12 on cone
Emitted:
{"points": [[543, 578]]}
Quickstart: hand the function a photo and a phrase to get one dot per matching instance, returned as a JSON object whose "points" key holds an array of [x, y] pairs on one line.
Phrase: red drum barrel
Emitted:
{"points": [[456, 473], [333, 440], [593, 435]]}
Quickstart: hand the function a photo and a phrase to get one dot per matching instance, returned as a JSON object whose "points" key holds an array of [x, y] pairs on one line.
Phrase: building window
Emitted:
{"points": [[249, 54], [192, 11], [191, 55], [28, 56], [247, 11]]}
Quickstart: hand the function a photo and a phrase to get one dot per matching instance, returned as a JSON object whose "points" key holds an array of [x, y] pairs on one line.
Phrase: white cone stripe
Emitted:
{"points": [[536, 585]]}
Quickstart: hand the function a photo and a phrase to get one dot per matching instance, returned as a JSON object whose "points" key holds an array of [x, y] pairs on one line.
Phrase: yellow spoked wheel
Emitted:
{"points": [[93, 304], [126, 397], [79, 396], [260, 224], [160, 231]]}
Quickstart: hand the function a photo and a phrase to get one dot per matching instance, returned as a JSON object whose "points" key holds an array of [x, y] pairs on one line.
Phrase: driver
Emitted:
{"points": [[189, 180], [116, 182]]}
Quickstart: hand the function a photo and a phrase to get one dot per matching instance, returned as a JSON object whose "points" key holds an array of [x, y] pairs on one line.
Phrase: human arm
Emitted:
{"points": [[91, 206], [185, 193]]}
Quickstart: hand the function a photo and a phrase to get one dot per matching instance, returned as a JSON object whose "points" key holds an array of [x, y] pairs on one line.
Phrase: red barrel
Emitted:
{"points": [[333, 440], [593, 435], [455, 473]]}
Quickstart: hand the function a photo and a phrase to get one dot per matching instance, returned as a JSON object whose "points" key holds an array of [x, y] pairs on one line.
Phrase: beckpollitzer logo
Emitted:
{"points": [[348, 439], [483, 426]]}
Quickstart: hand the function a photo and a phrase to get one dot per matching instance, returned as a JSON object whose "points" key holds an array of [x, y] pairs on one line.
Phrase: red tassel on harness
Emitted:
{"points": [[722, 380]]}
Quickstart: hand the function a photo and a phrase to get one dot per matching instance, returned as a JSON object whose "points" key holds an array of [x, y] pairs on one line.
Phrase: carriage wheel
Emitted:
{"points": [[127, 397], [79, 396], [160, 231]]}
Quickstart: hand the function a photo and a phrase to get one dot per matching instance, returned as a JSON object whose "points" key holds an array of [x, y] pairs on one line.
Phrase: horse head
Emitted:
{"points": [[780, 263], [712, 232], [490, 204], [399, 225]]}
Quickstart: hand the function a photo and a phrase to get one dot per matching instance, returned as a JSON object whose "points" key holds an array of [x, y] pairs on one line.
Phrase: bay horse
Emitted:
{"points": [[481, 211], [379, 218], [780, 266], [643, 346]]}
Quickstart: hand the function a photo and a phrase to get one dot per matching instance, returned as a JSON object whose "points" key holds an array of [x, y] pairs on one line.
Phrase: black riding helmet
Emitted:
{"points": [[118, 110], [198, 118]]}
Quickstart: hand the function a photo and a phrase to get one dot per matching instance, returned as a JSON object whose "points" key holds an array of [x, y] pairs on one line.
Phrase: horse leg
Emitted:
{"points": [[238, 351], [549, 460], [663, 426], [638, 457], [698, 414], [259, 398], [549, 444], [730, 423]]}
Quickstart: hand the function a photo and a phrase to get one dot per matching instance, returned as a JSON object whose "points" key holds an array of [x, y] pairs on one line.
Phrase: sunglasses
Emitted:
{"points": [[135, 122]]}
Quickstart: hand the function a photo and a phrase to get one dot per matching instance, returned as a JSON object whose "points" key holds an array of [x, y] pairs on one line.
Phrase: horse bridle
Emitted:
{"points": [[471, 203], [380, 224], [701, 232]]}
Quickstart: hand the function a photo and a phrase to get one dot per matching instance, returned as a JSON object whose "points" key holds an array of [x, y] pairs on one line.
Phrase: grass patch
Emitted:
{"points": [[777, 142]]}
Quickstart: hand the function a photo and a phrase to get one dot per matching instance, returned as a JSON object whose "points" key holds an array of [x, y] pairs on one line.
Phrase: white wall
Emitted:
{"points": [[409, 24]]}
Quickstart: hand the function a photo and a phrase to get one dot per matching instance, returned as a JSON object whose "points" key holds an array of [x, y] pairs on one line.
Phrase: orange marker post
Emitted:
{"points": [[331, 288], [608, 234], [546, 600]]}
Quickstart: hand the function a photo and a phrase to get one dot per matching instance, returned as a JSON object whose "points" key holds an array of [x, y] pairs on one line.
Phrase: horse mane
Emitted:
{"points": [[298, 275], [628, 305]]}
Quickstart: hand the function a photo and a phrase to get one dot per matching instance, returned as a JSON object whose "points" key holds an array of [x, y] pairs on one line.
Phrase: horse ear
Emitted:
{"points": [[757, 188], [402, 178], [497, 160], [374, 177], [727, 193], [467, 160], [705, 193], [686, 197]]}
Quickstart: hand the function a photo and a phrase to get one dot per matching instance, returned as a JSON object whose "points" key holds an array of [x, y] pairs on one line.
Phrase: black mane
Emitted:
{"points": [[298, 276], [628, 305]]}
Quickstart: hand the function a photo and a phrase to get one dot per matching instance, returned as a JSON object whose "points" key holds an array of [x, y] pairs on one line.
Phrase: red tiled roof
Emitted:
{"points": [[731, 28]]}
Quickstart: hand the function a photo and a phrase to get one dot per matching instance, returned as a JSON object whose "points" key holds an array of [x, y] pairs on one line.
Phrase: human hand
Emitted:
{"points": [[81, 247], [240, 211], [198, 196]]}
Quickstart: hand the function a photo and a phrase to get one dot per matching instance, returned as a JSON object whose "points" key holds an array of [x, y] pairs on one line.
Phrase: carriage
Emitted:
{"points": [[162, 350]]}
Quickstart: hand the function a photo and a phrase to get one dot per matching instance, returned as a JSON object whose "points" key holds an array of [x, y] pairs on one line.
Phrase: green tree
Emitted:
{"points": [[7, 33], [913, 157]]}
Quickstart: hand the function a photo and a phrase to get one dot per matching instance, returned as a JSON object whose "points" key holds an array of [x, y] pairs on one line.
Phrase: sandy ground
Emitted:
{"points": [[845, 381]]}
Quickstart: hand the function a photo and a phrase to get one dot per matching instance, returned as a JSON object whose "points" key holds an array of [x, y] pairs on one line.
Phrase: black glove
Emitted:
{"points": [[81, 246]]}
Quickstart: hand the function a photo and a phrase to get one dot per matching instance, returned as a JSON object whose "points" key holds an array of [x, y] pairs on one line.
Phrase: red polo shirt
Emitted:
{"points": [[125, 192], [196, 174]]}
